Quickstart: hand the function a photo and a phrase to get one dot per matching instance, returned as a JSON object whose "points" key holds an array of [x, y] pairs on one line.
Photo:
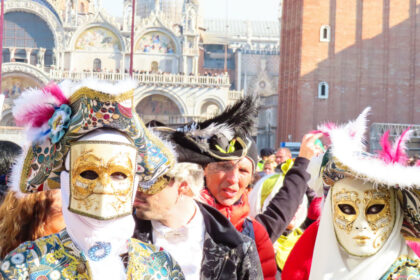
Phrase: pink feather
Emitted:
{"points": [[36, 117], [400, 147], [395, 153], [386, 153], [55, 91], [40, 113]]}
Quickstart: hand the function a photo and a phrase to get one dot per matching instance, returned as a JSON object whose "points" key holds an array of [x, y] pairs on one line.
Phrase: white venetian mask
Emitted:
{"points": [[102, 179], [363, 216]]}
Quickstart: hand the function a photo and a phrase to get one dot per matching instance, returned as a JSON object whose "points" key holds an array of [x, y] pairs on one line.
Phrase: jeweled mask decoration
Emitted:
{"points": [[102, 179], [363, 216]]}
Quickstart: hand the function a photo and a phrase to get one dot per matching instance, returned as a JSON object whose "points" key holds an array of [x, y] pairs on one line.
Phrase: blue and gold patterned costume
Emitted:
{"points": [[56, 257]]}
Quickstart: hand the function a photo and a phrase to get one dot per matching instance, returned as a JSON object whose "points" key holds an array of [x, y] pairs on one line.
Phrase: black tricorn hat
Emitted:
{"points": [[223, 137]]}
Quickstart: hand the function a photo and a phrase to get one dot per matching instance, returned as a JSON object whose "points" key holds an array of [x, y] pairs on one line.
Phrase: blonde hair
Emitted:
{"points": [[23, 219], [188, 172]]}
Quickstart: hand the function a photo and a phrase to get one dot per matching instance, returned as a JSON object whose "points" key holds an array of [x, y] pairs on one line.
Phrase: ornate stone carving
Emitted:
{"points": [[27, 69]]}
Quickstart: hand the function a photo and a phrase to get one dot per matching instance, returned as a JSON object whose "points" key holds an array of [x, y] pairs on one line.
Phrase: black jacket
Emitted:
{"points": [[282, 208], [227, 254]]}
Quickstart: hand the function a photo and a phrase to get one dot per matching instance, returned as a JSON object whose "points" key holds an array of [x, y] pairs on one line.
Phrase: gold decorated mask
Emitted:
{"points": [[363, 216], [102, 179]]}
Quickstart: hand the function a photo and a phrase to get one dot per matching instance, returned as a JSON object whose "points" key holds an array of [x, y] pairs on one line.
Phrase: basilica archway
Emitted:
{"points": [[12, 86], [158, 107], [210, 109], [28, 39]]}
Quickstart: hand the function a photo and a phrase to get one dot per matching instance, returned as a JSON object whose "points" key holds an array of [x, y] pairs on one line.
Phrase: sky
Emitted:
{"points": [[231, 9]]}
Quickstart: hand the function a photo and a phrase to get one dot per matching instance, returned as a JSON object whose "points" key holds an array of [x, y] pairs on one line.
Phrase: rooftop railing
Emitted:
{"points": [[164, 79]]}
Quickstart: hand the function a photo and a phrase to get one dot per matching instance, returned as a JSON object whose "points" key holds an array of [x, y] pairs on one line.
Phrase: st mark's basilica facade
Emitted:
{"points": [[187, 67]]}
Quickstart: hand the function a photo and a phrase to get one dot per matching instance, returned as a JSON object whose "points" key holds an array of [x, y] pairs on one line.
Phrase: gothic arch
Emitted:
{"points": [[7, 119], [32, 7], [140, 96], [215, 100]]}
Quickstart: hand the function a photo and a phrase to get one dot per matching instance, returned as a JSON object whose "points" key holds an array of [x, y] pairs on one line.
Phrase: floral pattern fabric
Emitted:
{"points": [[403, 268], [56, 257]]}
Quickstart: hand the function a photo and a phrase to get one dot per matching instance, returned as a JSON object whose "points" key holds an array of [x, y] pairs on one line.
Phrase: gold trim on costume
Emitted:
{"points": [[25, 170], [161, 183], [90, 93]]}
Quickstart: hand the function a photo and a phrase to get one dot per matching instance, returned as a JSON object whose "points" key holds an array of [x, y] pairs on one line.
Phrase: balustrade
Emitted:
{"points": [[147, 78]]}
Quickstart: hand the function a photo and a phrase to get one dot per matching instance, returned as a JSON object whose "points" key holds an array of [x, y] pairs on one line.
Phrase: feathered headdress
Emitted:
{"points": [[58, 115], [223, 137], [347, 157]]}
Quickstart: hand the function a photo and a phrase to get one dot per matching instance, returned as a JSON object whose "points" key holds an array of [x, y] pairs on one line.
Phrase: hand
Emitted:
{"points": [[308, 148]]}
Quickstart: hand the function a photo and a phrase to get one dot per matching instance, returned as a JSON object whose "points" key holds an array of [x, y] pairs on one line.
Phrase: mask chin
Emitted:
{"points": [[363, 216]]}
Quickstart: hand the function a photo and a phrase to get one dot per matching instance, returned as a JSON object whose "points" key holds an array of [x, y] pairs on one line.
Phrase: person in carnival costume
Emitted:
{"points": [[223, 146], [203, 241], [86, 140], [370, 210]]}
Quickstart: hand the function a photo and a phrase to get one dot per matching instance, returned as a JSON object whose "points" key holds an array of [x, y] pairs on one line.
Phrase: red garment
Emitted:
{"points": [[315, 208], [237, 214], [298, 264]]}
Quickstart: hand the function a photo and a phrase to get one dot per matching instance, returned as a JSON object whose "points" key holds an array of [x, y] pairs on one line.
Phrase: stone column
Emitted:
{"points": [[12, 54], [123, 64], [41, 54], [55, 58], [28, 55], [239, 70]]}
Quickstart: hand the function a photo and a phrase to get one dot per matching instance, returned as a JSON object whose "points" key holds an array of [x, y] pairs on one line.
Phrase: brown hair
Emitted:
{"points": [[23, 219]]}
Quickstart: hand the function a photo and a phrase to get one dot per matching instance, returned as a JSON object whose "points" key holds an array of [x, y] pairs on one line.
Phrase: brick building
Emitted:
{"points": [[337, 57]]}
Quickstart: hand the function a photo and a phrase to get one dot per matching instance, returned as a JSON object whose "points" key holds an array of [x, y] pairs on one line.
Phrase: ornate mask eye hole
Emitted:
{"points": [[118, 176], [347, 209], [89, 175], [375, 209]]}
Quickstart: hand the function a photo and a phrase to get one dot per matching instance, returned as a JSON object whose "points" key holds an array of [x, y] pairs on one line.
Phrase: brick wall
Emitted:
{"points": [[372, 60]]}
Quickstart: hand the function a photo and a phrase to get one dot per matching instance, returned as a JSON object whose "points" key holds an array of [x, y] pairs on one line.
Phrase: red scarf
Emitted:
{"points": [[236, 213]]}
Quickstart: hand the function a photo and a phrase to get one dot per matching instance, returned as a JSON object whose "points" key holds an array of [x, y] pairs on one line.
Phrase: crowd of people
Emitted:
{"points": [[96, 194]]}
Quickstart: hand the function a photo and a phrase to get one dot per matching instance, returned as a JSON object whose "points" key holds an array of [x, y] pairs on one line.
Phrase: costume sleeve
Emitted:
{"points": [[15, 264], [250, 268], [298, 264], [282, 208], [265, 251]]}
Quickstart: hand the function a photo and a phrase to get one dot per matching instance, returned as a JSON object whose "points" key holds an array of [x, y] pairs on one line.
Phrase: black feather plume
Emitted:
{"points": [[196, 142], [239, 116]]}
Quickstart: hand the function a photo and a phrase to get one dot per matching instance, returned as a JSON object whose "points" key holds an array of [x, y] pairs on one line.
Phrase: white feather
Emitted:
{"points": [[212, 130], [347, 147], [29, 100], [16, 173]]}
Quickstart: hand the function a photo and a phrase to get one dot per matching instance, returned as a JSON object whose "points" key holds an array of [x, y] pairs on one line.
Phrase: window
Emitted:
{"points": [[325, 33], [323, 90], [97, 65]]}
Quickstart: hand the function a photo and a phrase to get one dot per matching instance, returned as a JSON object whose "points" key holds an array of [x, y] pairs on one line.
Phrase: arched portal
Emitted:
{"points": [[158, 107], [13, 84], [29, 37], [210, 109]]}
